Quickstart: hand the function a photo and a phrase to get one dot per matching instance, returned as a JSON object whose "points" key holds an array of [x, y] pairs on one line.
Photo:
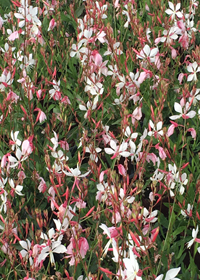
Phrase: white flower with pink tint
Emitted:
{"points": [[72, 251], [174, 11], [182, 113], [52, 24], [149, 54], [193, 68]]}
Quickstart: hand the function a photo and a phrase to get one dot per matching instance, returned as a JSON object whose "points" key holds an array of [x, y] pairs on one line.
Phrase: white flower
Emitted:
{"points": [[129, 134], [148, 53], [17, 189], [157, 130], [90, 106], [117, 150], [183, 113], [75, 172], [174, 11], [25, 252], [195, 97], [132, 267], [52, 247], [56, 89], [111, 241], [170, 275], [93, 86], [15, 141], [19, 158], [187, 212], [5, 78], [194, 235], [194, 69]]}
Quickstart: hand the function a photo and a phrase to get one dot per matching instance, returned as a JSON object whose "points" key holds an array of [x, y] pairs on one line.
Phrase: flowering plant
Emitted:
{"points": [[100, 145]]}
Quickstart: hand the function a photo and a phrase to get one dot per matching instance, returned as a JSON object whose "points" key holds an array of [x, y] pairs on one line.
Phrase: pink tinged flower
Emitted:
{"points": [[100, 36], [174, 53], [180, 77], [183, 114], [194, 236], [26, 148], [21, 175], [42, 186], [64, 145], [162, 153], [41, 115], [82, 249], [170, 130], [188, 212], [13, 36], [170, 275], [52, 24], [65, 100], [96, 57], [12, 96], [174, 11], [55, 92], [90, 106], [193, 132], [193, 68], [121, 169]]}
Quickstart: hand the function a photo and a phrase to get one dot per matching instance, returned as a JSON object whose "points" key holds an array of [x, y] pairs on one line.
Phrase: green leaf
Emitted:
{"points": [[178, 230], [79, 11]]}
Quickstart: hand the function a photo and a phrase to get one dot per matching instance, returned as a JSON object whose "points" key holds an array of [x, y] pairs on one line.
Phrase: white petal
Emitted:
{"points": [[159, 125], [178, 108], [23, 244], [146, 50], [190, 77], [178, 6], [172, 273], [191, 114], [169, 12]]}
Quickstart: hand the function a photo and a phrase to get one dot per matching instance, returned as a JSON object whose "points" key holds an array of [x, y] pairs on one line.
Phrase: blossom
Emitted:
{"points": [[146, 52], [157, 130], [52, 24], [55, 92], [194, 236], [81, 245], [19, 158], [90, 106], [188, 212], [17, 188], [183, 113], [194, 69], [117, 150], [15, 142], [111, 233], [132, 267], [52, 246], [5, 80], [174, 11], [170, 275], [26, 245], [75, 172]]}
